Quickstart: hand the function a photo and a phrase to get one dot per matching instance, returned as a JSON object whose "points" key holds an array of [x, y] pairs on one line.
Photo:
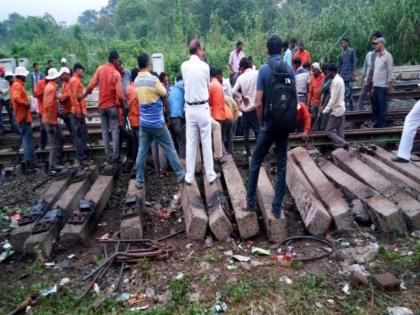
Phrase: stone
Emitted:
{"points": [[358, 280], [276, 229], [132, 227], [360, 254], [246, 221], [332, 197], [219, 223], [313, 213], [386, 281], [359, 211], [195, 216], [397, 310]]}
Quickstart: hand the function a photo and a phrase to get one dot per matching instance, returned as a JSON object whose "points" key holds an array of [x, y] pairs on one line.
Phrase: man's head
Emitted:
{"points": [[301, 45], [307, 66], [63, 62], [114, 58], [163, 78], [285, 46], [195, 48], [134, 73], [239, 46], [143, 62], [120, 67], [79, 70], [8, 75], [21, 73], [53, 74], [35, 66], [65, 74], [376, 35], [50, 63], [379, 44], [293, 42], [178, 77], [345, 43], [297, 62], [219, 75], [213, 72], [331, 70], [316, 69], [244, 64], [274, 45]]}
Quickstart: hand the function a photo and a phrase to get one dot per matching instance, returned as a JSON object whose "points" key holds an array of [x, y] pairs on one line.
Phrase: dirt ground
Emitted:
{"points": [[196, 274]]}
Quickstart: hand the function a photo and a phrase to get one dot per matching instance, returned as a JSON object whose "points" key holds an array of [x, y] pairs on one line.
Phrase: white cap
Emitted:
{"points": [[64, 70], [8, 74], [21, 71], [53, 74], [316, 65], [63, 60]]}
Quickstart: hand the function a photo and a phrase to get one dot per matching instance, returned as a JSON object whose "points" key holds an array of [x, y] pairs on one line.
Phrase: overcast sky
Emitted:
{"points": [[61, 10]]}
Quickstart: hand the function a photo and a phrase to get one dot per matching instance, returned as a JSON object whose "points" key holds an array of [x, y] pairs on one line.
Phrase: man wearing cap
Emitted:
{"points": [[314, 95], [50, 119], [22, 107], [5, 101], [110, 98], [381, 83], [64, 63], [65, 99], [78, 110]]}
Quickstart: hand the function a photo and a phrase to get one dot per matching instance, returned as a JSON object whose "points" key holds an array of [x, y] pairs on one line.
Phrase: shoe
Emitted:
{"points": [[276, 214], [222, 160], [346, 147], [398, 159], [181, 181], [215, 179], [248, 208]]}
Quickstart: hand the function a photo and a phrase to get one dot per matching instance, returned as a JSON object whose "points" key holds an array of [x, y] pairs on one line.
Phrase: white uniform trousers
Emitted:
{"points": [[411, 123], [198, 123]]}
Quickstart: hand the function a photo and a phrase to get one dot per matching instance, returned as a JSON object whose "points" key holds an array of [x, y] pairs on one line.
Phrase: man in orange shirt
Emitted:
{"points": [[65, 99], [302, 53], [39, 94], [110, 98], [303, 120], [20, 103], [78, 110], [134, 111], [217, 111], [314, 94], [50, 119]]}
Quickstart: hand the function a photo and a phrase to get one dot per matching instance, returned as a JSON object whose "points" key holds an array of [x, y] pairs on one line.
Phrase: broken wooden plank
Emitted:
{"points": [[332, 197], [247, 221], [384, 213], [219, 223], [67, 202], [96, 199], [408, 169], [19, 234], [132, 218], [276, 229], [195, 215], [313, 213]]}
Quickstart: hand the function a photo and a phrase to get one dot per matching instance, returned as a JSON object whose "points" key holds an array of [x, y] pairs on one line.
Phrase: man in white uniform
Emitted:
{"points": [[196, 75], [411, 123]]}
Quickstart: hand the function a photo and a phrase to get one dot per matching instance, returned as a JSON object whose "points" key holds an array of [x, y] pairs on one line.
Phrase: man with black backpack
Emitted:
{"points": [[276, 104]]}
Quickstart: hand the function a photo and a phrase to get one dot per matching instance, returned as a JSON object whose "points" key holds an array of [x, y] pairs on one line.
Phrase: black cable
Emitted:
{"points": [[323, 240]]}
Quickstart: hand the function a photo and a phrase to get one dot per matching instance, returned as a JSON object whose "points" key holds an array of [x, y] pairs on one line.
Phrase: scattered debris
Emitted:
{"points": [[209, 241], [179, 276], [358, 280], [96, 288], [71, 256], [150, 293], [360, 254], [286, 280], [331, 301], [386, 281], [355, 268], [346, 289], [138, 302], [165, 297], [232, 267], [49, 264], [25, 305], [397, 310], [123, 297], [283, 260], [416, 234], [7, 251], [360, 213], [220, 306], [49, 291], [106, 236], [228, 253], [260, 251], [319, 305], [241, 258], [64, 281]]}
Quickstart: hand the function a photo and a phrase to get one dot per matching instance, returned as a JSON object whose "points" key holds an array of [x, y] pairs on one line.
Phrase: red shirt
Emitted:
{"points": [[65, 97], [303, 118], [133, 105], [76, 88], [216, 100], [50, 104], [314, 94], [20, 102], [304, 56], [110, 89], [39, 94]]}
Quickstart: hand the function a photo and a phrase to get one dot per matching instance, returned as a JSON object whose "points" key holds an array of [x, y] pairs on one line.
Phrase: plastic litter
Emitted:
{"points": [[179, 276], [7, 251], [397, 310], [104, 237], [49, 291], [123, 297], [71, 256], [96, 288], [241, 258], [64, 281], [283, 260], [260, 251], [232, 267], [346, 289], [416, 234], [49, 264], [286, 280], [220, 306]]}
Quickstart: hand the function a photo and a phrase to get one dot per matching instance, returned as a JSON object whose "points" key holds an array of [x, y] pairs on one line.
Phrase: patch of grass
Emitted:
{"points": [[179, 290], [298, 265], [212, 257], [401, 262], [36, 268], [238, 291]]}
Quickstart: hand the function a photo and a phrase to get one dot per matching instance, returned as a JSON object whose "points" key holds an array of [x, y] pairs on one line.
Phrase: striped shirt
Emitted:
{"points": [[149, 93]]}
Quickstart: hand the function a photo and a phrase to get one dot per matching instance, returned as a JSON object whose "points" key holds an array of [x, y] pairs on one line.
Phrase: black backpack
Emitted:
{"points": [[280, 100]]}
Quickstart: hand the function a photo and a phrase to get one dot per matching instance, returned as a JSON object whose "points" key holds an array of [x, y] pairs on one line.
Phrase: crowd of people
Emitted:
{"points": [[203, 109]]}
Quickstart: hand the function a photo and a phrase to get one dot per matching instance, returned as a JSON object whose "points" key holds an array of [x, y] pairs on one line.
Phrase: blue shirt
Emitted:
{"points": [[347, 63], [287, 58], [264, 76], [176, 100]]}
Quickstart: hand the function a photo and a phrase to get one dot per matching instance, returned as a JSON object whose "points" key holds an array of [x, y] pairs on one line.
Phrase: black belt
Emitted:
{"points": [[197, 103]]}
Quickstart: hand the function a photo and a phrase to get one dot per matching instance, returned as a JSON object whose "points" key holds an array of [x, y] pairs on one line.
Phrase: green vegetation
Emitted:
{"points": [[165, 26]]}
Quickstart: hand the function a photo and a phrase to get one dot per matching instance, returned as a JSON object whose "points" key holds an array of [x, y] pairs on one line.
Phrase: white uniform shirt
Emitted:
{"points": [[196, 77], [247, 83], [235, 58], [336, 104]]}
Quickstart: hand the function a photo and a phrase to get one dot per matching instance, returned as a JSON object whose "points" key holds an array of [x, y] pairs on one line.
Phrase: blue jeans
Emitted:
{"points": [[163, 137], [379, 106], [109, 119], [250, 120], [28, 144], [264, 141], [348, 95]]}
